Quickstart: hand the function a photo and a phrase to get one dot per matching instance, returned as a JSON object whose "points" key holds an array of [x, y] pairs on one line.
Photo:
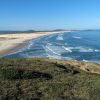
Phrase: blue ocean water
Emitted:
{"points": [[80, 45]]}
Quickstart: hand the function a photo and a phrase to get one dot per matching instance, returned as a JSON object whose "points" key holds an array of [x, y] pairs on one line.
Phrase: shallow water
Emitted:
{"points": [[81, 45]]}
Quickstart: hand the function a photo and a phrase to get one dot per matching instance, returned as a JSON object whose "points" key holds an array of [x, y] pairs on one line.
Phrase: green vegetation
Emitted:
{"points": [[40, 79]]}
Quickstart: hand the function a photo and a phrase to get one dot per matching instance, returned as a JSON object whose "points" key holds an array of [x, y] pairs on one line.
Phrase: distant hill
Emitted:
{"points": [[60, 30], [11, 32]]}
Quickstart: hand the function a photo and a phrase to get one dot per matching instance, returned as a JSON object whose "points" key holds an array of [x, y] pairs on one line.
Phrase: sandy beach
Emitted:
{"points": [[10, 42]]}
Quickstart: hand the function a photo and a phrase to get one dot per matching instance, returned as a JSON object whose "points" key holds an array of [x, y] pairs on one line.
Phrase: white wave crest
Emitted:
{"points": [[53, 51], [85, 60], [30, 44], [59, 37], [97, 50], [80, 49], [77, 37], [67, 49], [86, 50]]}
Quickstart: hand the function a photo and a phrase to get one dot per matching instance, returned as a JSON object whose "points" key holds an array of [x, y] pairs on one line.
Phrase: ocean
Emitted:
{"points": [[77, 45]]}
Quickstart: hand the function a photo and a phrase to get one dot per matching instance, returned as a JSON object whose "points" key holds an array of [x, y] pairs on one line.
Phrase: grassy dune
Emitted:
{"points": [[40, 79]]}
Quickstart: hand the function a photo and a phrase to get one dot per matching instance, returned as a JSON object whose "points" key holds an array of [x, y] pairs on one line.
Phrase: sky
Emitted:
{"points": [[49, 14]]}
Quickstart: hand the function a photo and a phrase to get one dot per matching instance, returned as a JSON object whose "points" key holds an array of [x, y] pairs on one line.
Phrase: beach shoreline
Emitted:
{"points": [[10, 43]]}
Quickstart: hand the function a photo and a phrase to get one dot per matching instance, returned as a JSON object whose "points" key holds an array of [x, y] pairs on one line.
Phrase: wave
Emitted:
{"points": [[60, 37], [82, 49], [86, 50], [67, 49], [85, 60], [55, 49], [95, 61], [59, 57], [50, 49], [77, 37], [97, 50], [30, 44]]}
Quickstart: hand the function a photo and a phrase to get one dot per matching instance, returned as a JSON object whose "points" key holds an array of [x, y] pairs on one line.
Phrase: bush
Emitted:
{"points": [[16, 73], [9, 73]]}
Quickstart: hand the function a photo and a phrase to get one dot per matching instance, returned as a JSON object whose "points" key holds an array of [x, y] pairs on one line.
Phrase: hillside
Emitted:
{"points": [[43, 79], [15, 32]]}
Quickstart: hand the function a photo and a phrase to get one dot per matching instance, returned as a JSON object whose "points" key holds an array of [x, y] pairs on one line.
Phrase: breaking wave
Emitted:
{"points": [[77, 37], [67, 49], [60, 37]]}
